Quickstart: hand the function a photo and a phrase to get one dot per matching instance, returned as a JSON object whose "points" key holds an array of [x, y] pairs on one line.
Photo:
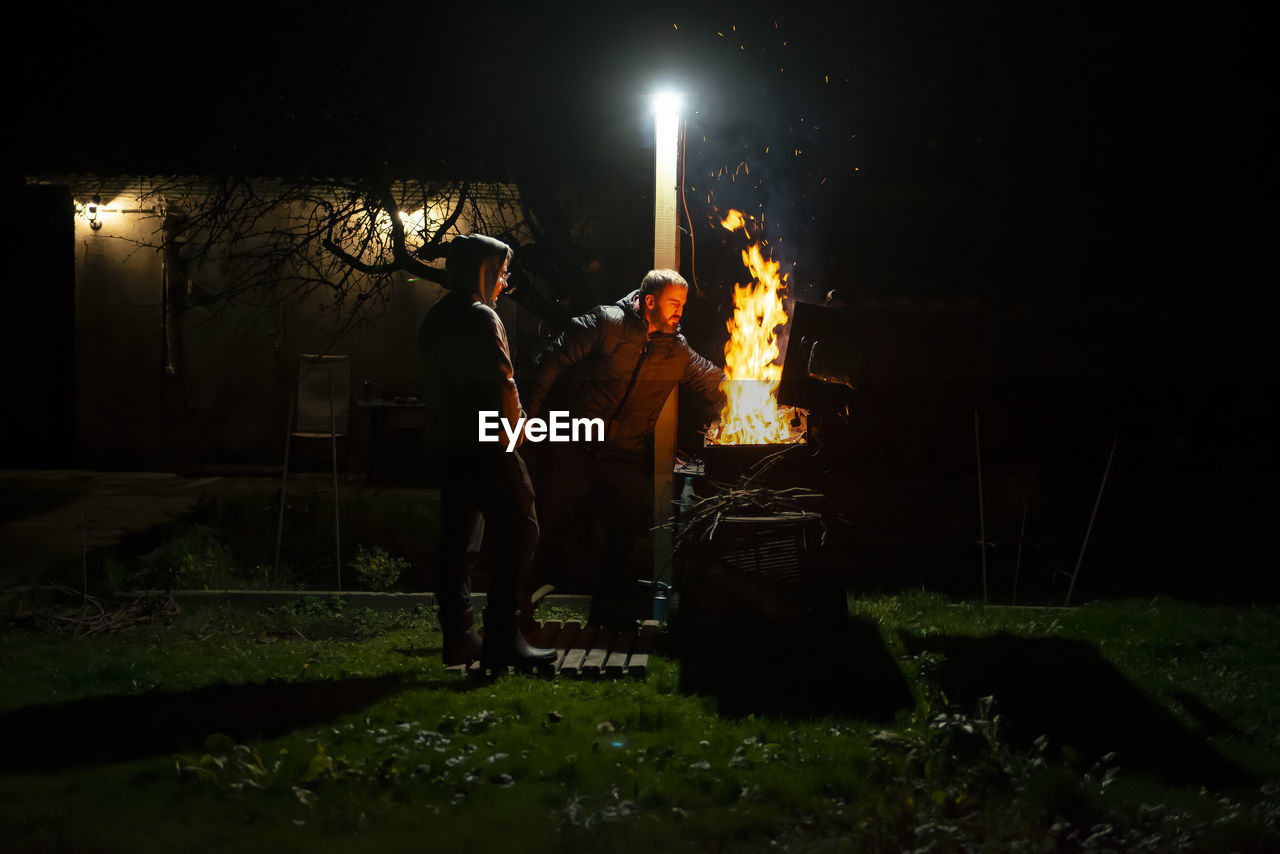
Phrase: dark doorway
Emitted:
{"points": [[38, 333]]}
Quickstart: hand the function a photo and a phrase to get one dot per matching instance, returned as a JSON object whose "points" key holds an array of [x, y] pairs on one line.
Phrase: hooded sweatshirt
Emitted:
{"points": [[464, 361]]}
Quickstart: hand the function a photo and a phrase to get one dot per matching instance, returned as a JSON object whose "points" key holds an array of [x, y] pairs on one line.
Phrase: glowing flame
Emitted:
{"points": [[751, 414], [733, 221]]}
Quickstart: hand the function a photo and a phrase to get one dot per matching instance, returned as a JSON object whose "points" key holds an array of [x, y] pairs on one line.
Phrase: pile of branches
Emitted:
{"points": [[748, 497], [50, 605]]}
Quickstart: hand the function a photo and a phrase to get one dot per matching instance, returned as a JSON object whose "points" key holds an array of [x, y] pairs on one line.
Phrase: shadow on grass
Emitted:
{"points": [[765, 648], [1066, 690], [101, 730]]}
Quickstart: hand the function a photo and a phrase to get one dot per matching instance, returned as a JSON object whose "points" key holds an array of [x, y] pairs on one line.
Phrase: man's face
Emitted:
{"points": [[492, 285], [663, 310]]}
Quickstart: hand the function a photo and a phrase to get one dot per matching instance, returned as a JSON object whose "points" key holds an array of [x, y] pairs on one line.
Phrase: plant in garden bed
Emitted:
{"points": [[376, 569], [394, 527], [193, 559], [229, 542]]}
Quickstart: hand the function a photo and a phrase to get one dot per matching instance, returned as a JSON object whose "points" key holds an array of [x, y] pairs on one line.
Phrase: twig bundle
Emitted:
{"points": [[92, 616], [745, 498]]}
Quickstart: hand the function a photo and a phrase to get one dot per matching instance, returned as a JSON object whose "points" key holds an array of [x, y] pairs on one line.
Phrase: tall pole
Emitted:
{"points": [[666, 255], [666, 176]]}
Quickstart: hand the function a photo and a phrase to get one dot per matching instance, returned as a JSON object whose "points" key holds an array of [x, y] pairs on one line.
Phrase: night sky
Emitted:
{"points": [[1108, 169], [1037, 151]]}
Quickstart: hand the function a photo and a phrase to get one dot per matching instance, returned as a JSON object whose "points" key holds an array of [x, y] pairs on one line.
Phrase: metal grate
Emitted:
{"points": [[775, 546]]}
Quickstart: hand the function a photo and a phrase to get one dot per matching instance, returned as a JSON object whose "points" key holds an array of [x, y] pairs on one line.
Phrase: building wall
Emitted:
{"points": [[191, 381], [119, 378]]}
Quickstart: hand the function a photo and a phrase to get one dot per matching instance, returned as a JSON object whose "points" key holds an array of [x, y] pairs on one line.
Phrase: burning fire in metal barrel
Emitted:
{"points": [[751, 414]]}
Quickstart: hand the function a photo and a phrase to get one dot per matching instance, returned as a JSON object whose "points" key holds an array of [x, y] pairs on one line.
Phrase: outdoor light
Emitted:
{"points": [[91, 213], [666, 101]]}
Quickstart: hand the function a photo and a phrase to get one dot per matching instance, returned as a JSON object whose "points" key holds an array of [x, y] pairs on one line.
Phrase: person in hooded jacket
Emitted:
{"points": [[618, 363], [465, 366]]}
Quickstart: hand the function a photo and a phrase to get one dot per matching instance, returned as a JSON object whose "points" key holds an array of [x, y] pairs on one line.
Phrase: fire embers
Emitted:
{"points": [[751, 414]]}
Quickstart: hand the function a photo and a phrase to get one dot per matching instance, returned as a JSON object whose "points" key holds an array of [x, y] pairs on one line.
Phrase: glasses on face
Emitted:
{"points": [[504, 275]]}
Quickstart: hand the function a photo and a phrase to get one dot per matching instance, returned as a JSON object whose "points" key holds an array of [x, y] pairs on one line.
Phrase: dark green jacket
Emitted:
{"points": [[606, 366]]}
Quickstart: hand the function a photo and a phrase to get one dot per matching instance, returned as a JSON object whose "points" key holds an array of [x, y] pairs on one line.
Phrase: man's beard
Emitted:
{"points": [[667, 327]]}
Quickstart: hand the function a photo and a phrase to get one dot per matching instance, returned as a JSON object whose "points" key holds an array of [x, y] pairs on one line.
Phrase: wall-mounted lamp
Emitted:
{"points": [[94, 211]]}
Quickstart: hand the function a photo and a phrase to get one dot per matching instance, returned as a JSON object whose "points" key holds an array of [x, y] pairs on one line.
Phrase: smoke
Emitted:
{"points": [[753, 153], [749, 165]]}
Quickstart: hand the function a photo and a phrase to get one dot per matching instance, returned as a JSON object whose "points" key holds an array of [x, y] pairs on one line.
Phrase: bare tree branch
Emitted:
{"points": [[451, 220], [261, 242]]}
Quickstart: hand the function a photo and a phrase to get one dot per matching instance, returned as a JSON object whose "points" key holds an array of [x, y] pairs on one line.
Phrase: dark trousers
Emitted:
{"points": [[485, 496], [593, 511]]}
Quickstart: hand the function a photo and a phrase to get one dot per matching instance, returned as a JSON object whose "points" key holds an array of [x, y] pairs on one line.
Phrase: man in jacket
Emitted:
{"points": [[618, 363], [465, 366]]}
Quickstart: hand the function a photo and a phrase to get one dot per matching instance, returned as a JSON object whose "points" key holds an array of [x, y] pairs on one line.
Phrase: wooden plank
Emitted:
{"points": [[599, 652], [638, 663], [564, 640], [617, 660], [578, 652]]}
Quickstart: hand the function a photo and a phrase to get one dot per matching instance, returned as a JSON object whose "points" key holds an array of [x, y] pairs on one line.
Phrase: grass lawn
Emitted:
{"points": [[1129, 725]]}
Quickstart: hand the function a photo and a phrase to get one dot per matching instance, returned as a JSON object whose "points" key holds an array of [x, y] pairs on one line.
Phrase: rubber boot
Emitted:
{"points": [[462, 643], [504, 644]]}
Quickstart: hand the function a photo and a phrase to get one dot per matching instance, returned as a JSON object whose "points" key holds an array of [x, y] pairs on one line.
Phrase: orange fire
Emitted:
{"points": [[751, 414]]}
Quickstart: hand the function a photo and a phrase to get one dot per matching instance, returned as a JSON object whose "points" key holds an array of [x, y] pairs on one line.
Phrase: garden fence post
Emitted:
{"points": [[982, 522], [1072, 586], [1017, 566]]}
